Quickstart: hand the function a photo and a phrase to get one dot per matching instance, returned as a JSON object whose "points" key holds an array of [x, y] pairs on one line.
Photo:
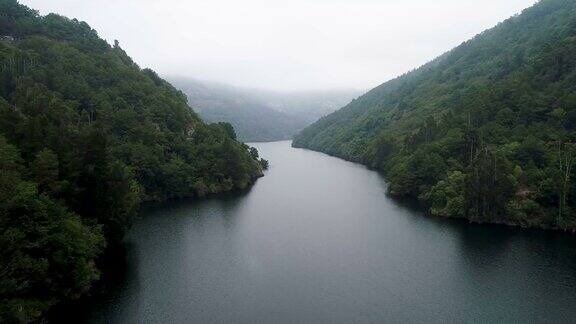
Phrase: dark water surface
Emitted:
{"points": [[318, 241]]}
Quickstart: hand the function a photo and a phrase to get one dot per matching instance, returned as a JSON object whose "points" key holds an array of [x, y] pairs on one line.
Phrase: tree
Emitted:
{"points": [[46, 253], [254, 153], [446, 198], [46, 172], [228, 129], [565, 160], [488, 187]]}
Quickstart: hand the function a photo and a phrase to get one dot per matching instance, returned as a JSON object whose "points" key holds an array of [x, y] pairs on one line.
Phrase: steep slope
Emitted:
{"points": [[85, 135], [484, 132], [253, 120]]}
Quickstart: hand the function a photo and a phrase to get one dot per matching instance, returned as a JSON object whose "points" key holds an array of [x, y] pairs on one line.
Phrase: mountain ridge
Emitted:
{"points": [[260, 115], [85, 136], [504, 98]]}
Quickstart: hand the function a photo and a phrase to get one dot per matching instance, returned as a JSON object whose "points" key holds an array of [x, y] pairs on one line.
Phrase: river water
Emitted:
{"points": [[318, 241]]}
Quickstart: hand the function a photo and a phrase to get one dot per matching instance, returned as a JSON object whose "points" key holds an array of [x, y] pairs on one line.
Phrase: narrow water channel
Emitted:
{"points": [[318, 241]]}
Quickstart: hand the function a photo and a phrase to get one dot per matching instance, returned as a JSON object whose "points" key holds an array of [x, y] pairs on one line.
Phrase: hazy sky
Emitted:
{"points": [[288, 44]]}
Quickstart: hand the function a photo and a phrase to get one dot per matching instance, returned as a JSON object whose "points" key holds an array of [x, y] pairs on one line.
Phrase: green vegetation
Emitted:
{"points": [[485, 132], [85, 136]]}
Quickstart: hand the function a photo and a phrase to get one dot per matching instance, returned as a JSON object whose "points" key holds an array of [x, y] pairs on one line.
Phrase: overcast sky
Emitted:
{"points": [[288, 44]]}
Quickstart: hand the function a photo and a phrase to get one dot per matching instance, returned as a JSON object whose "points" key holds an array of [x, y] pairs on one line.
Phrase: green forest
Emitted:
{"points": [[86, 136], [485, 132]]}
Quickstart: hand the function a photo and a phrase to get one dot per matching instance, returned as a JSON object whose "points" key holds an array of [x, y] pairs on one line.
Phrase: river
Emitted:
{"points": [[318, 241]]}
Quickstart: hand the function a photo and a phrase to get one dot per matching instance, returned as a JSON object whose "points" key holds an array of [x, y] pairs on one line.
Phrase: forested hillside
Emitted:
{"points": [[85, 136], [253, 120], [484, 132], [261, 115]]}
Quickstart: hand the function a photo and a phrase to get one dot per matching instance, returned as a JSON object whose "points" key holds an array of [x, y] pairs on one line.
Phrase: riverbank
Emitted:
{"points": [[318, 240]]}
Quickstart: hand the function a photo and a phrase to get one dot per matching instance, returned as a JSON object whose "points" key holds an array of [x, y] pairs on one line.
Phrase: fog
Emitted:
{"points": [[288, 45]]}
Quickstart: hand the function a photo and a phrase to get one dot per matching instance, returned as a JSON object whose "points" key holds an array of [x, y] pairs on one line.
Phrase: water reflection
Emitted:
{"points": [[317, 240]]}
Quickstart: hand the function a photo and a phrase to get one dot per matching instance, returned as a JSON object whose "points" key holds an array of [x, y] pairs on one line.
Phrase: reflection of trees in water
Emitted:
{"points": [[517, 268], [498, 246], [118, 280], [526, 266], [483, 247], [224, 205]]}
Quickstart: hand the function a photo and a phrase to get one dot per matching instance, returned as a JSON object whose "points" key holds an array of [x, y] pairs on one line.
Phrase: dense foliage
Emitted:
{"points": [[85, 135], [485, 132]]}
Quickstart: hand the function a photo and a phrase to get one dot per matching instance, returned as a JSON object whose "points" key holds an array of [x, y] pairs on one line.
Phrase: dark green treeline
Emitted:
{"points": [[85, 136], [485, 132]]}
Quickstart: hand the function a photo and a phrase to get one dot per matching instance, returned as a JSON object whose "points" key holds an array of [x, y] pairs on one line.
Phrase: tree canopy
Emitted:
{"points": [[485, 131], [85, 136]]}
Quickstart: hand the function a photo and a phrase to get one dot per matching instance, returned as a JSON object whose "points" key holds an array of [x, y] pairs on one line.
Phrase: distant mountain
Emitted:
{"points": [[485, 132], [308, 105], [259, 115]]}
